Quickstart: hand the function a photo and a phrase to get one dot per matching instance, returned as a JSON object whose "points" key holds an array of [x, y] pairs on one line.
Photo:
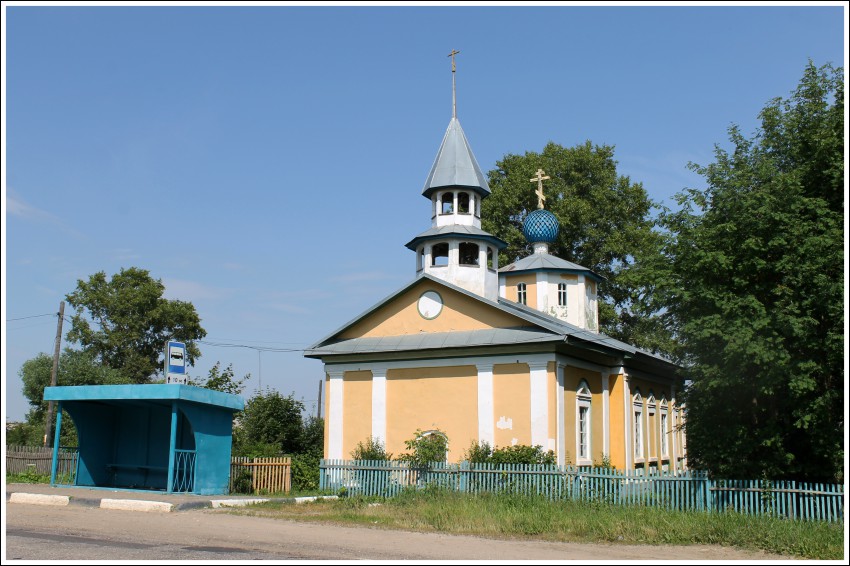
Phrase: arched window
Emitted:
{"points": [[463, 203], [448, 203], [490, 264], [520, 293], [438, 440], [562, 294], [440, 255], [420, 259], [652, 425], [638, 413], [583, 421], [468, 253], [664, 428]]}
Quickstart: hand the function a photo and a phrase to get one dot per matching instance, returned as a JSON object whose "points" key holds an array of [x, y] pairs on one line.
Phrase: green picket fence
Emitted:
{"points": [[683, 491]]}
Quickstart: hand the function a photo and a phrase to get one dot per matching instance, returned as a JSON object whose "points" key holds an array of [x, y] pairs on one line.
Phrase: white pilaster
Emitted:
{"points": [[335, 397], [606, 415], [539, 404], [486, 414], [379, 404], [628, 423], [671, 416], [561, 437]]}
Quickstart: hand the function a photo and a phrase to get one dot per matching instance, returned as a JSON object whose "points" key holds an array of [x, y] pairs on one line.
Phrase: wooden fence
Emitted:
{"points": [[39, 459], [684, 491], [267, 475]]}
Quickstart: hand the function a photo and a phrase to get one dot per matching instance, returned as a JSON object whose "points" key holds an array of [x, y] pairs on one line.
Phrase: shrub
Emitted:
{"points": [[371, 449], [305, 471], [478, 452], [426, 447]]}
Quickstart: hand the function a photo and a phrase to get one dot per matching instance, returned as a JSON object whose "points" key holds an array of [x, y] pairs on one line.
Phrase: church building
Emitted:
{"points": [[507, 356]]}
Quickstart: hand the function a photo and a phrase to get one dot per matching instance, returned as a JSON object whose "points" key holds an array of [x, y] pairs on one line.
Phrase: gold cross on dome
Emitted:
{"points": [[539, 192]]}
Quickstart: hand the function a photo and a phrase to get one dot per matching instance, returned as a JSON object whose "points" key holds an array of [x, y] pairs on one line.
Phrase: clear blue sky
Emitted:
{"points": [[267, 162]]}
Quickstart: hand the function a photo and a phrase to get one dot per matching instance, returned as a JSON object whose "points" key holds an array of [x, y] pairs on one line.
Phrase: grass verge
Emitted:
{"points": [[517, 516]]}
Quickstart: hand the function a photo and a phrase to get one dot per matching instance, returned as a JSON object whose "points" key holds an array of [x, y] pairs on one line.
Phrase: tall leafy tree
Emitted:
{"points": [[606, 225], [125, 322], [270, 424], [75, 368], [757, 292]]}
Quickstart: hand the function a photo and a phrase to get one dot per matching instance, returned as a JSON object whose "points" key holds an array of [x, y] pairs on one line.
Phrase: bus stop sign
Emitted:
{"points": [[175, 362]]}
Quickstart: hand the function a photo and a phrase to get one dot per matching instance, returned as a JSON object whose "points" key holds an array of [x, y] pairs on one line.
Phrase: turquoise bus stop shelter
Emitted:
{"points": [[161, 437]]}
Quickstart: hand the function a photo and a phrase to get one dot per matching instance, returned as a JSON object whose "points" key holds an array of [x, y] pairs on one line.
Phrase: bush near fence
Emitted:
{"points": [[683, 491]]}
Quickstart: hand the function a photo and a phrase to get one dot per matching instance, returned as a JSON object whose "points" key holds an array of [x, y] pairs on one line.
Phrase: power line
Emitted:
{"points": [[33, 316], [258, 348]]}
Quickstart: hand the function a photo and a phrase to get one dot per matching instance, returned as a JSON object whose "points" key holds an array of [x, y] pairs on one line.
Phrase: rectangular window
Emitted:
{"points": [[520, 293], [663, 435], [562, 294]]}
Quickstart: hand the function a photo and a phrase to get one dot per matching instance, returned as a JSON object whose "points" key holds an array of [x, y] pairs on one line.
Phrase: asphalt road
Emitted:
{"points": [[45, 532]]}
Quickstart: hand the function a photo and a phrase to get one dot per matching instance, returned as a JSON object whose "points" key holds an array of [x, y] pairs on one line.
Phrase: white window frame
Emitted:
{"points": [[522, 293], [583, 401], [637, 412], [562, 295], [651, 449]]}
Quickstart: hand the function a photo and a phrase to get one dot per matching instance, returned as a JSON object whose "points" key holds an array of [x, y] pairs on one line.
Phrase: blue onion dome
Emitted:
{"points": [[540, 226]]}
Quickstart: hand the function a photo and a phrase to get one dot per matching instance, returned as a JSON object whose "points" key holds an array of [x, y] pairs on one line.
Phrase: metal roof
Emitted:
{"points": [[436, 340], [544, 262], [457, 230], [455, 165], [147, 392]]}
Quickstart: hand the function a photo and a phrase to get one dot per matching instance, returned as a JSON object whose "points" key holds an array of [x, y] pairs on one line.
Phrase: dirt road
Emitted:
{"points": [[36, 532]]}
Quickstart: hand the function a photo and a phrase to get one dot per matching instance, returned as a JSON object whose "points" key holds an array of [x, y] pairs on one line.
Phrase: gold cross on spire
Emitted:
{"points": [[452, 55], [539, 192], [454, 96]]}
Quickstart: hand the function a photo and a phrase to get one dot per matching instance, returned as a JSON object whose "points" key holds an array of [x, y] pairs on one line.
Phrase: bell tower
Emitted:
{"points": [[455, 248]]}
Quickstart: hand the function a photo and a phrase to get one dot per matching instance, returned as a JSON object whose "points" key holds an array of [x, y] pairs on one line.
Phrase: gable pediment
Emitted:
{"points": [[400, 314]]}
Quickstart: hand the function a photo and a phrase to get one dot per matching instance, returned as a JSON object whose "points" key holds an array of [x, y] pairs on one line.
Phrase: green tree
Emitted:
{"points": [[606, 225], [75, 368], [222, 380], [757, 292], [273, 420], [125, 322]]}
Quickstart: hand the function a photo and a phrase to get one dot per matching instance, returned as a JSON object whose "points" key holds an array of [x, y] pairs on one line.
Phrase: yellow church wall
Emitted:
{"points": [[597, 419], [356, 410], [401, 317], [511, 404], [616, 425], [530, 280], [432, 398]]}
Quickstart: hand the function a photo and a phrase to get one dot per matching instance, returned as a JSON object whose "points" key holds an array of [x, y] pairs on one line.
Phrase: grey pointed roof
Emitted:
{"points": [[455, 165], [546, 262], [459, 230]]}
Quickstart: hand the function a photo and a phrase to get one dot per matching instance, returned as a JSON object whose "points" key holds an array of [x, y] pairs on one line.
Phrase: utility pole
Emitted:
{"points": [[48, 425], [319, 404]]}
